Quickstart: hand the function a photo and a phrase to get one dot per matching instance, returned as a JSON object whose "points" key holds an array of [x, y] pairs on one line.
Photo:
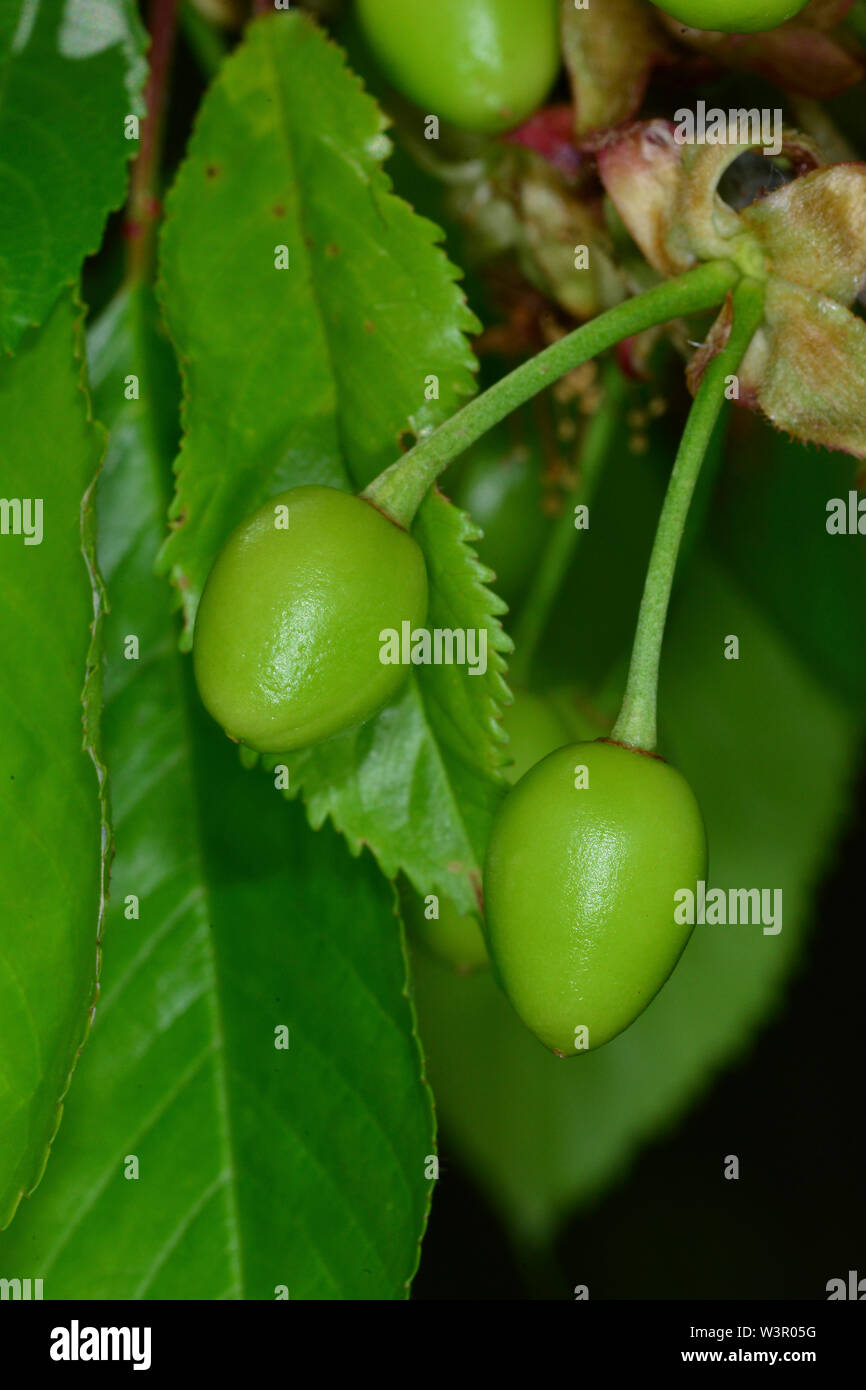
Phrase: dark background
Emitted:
{"points": [[791, 1109]]}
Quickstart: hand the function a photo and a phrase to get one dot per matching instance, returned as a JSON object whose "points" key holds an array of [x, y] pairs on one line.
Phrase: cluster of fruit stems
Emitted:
{"points": [[400, 489]]}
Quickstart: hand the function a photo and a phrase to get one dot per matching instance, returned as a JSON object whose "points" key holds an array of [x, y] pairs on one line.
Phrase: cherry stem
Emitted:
{"points": [[565, 538], [143, 209], [636, 725], [401, 489]]}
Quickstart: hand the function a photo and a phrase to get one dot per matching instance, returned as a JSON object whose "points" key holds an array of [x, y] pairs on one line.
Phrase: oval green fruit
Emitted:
{"points": [[452, 937], [579, 887], [287, 636], [732, 16], [499, 484], [483, 65], [534, 729]]}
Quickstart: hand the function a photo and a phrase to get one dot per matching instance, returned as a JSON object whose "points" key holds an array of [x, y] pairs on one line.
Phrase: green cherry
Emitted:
{"points": [[483, 65], [453, 938], [287, 636], [498, 482], [732, 16], [585, 856], [534, 729]]}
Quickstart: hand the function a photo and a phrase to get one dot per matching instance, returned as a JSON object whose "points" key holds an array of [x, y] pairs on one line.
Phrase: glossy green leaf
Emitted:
{"points": [[71, 71], [317, 371], [52, 856], [258, 1167], [770, 755], [314, 373]]}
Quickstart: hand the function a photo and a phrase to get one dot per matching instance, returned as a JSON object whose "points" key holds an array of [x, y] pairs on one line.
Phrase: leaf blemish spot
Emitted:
{"points": [[212, 171], [332, 249]]}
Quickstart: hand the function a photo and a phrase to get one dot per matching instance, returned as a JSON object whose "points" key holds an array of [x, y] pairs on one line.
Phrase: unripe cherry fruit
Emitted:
{"points": [[498, 482], [732, 16], [483, 65], [453, 938], [287, 636], [579, 889], [534, 729]]}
